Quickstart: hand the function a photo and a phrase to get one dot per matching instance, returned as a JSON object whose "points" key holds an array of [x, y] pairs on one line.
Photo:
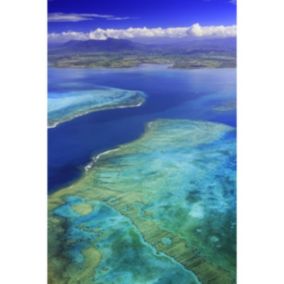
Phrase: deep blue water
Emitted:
{"points": [[182, 94]]}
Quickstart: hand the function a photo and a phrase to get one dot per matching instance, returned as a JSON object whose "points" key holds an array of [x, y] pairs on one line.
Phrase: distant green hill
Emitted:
{"points": [[109, 45], [119, 53]]}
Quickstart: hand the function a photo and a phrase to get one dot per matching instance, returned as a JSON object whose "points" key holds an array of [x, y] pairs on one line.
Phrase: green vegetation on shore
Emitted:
{"points": [[114, 60], [124, 54]]}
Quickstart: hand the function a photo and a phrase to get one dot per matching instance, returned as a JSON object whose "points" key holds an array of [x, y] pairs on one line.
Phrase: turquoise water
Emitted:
{"points": [[207, 94], [160, 209], [66, 105], [158, 205], [125, 256]]}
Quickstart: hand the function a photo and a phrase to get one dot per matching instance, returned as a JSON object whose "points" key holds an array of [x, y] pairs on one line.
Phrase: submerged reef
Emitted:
{"points": [[229, 106], [160, 209], [64, 106]]}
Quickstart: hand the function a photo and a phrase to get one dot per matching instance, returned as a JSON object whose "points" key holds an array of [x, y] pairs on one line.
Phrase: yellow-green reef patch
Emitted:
{"points": [[158, 210]]}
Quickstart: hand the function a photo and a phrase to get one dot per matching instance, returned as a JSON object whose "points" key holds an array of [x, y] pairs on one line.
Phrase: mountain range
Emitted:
{"points": [[126, 53]]}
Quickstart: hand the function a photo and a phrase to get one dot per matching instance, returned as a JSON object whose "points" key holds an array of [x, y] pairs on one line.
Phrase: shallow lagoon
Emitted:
{"points": [[67, 105], [161, 207], [186, 94]]}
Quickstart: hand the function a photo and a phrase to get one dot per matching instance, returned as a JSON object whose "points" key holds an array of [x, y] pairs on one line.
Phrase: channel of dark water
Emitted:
{"points": [[172, 94]]}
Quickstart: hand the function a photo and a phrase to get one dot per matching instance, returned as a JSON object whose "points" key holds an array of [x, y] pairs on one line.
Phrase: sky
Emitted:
{"points": [[92, 19]]}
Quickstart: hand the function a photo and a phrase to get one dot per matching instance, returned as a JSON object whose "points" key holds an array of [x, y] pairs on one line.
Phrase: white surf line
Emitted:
{"points": [[53, 125], [97, 157]]}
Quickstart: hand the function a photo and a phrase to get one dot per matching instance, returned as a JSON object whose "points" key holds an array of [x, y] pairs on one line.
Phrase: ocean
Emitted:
{"points": [[201, 94]]}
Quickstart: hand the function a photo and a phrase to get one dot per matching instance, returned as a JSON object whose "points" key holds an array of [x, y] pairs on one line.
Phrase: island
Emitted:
{"points": [[121, 53], [64, 106], [160, 209]]}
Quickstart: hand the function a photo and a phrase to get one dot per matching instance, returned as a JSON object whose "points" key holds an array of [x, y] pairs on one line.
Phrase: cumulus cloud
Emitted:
{"points": [[194, 31], [74, 17], [211, 31]]}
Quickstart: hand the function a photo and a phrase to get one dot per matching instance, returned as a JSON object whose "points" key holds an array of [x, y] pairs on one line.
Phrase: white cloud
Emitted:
{"points": [[194, 31], [65, 36], [212, 31], [74, 17]]}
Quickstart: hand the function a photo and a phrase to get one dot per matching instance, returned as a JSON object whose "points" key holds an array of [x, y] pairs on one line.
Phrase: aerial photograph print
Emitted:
{"points": [[142, 142]]}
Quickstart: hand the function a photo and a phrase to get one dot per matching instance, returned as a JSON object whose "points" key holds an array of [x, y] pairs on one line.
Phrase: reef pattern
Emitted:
{"points": [[64, 106], [160, 209]]}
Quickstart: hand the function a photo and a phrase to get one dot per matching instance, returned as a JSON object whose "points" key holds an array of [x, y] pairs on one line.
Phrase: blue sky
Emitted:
{"points": [[88, 15], [149, 13]]}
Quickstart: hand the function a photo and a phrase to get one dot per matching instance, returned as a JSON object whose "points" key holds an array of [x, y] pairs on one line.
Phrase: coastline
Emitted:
{"points": [[96, 158], [147, 131], [148, 128], [168, 66], [96, 109]]}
